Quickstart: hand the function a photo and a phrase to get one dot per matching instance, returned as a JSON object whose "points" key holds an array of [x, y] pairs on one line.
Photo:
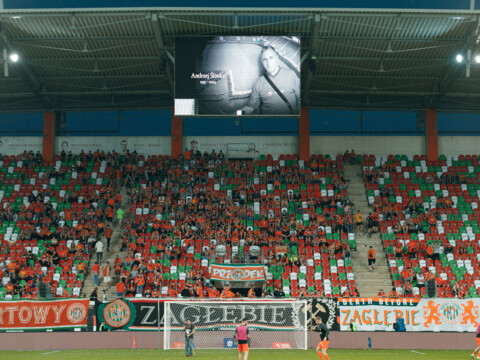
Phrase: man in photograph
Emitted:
{"points": [[277, 92]]}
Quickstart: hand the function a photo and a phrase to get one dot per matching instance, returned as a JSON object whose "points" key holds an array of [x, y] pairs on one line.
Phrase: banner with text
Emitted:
{"points": [[146, 145], [146, 314], [41, 315], [237, 273], [373, 314], [243, 146], [14, 145]]}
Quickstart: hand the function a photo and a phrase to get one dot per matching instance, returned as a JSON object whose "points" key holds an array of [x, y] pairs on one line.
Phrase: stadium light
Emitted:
{"points": [[14, 57], [477, 59], [459, 58]]}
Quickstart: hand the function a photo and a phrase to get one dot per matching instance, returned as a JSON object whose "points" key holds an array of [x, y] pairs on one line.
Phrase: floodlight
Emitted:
{"points": [[14, 57], [477, 59], [459, 58]]}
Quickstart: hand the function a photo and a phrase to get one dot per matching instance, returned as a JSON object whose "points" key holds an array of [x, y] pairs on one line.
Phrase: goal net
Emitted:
{"points": [[271, 324]]}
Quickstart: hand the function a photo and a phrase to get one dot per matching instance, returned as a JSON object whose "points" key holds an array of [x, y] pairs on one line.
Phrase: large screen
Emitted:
{"points": [[237, 76]]}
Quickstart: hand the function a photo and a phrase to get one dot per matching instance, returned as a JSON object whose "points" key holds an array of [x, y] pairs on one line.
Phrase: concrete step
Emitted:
{"points": [[109, 256], [368, 283]]}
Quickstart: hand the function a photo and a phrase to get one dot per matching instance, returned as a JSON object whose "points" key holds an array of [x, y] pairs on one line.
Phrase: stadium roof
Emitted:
{"points": [[77, 59]]}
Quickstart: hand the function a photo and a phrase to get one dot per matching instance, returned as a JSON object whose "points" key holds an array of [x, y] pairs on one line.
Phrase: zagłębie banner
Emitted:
{"points": [[236, 273], [146, 314], [373, 314], [43, 314]]}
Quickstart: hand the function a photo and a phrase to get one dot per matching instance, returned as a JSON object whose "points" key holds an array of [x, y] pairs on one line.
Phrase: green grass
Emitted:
{"points": [[144, 354]]}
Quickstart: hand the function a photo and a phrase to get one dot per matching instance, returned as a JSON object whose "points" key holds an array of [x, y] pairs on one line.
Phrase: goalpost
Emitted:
{"points": [[271, 324]]}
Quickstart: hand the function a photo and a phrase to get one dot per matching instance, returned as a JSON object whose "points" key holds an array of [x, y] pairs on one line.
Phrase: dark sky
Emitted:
{"points": [[397, 4]]}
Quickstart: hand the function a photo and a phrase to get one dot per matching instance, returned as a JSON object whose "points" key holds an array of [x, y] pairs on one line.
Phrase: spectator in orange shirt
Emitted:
{"points": [[393, 294], [120, 289], [96, 272], [381, 293], [173, 292], [371, 258], [140, 282], [108, 235], [107, 271], [213, 292], [251, 293]]}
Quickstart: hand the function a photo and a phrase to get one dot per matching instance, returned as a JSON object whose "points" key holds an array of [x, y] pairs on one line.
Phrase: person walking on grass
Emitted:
{"points": [[323, 331], [241, 337], [476, 352]]}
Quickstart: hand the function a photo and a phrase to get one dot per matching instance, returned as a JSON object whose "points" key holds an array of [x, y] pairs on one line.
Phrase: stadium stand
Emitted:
{"points": [[185, 212], [428, 213], [50, 213]]}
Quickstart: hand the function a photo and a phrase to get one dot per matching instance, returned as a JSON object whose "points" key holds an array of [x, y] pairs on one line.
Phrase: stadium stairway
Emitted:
{"points": [[109, 256], [368, 283]]}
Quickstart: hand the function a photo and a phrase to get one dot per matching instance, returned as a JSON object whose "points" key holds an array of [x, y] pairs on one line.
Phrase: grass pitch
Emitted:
{"points": [[145, 354]]}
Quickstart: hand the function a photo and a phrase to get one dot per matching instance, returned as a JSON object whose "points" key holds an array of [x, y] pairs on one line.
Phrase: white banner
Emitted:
{"points": [[145, 145], [15, 145], [379, 314], [247, 145]]}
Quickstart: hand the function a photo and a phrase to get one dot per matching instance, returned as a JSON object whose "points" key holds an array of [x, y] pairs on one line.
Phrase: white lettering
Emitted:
{"points": [[228, 312], [250, 311], [21, 315], [149, 312], [11, 310], [278, 315], [58, 312], [40, 314]]}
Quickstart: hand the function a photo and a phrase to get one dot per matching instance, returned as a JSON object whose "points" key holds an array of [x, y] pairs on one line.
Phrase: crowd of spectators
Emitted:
{"points": [[415, 220], [183, 210], [52, 215]]}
